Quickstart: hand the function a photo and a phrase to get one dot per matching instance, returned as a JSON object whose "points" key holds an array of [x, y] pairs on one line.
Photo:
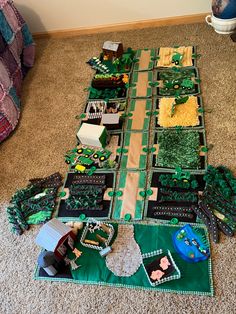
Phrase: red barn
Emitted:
{"points": [[56, 237]]}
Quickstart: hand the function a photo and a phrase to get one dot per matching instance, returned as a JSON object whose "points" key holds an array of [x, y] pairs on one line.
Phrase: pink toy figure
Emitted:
{"points": [[156, 275], [164, 263]]}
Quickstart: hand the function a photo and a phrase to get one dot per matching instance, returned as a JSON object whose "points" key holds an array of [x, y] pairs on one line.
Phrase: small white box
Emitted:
{"points": [[110, 118], [93, 135]]}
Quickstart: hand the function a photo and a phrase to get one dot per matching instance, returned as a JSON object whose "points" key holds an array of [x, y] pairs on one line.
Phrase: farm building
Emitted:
{"points": [[112, 49], [56, 237]]}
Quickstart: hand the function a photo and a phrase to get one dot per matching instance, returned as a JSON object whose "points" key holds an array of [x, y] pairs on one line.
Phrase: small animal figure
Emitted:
{"points": [[157, 274], [93, 227], [77, 253], [164, 263]]}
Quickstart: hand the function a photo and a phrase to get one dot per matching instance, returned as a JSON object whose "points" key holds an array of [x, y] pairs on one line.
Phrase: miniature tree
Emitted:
{"points": [[116, 64], [126, 60]]}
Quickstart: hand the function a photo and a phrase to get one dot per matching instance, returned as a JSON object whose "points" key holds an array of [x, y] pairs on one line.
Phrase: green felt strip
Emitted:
{"points": [[133, 92], [148, 104], [142, 161], [151, 65], [139, 209], [132, 105], [118, 203], [129, 124], [150, 76], [137, 56], [140, 204], [142, 179], [146, 124], [117, 209], [135, 77], [122, 180], [123, 163], [145, 139], [149, 92], [127, 139]]}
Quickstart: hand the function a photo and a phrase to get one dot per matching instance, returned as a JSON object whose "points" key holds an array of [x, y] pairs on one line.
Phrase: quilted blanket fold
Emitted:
{"points": [[17, 51]]}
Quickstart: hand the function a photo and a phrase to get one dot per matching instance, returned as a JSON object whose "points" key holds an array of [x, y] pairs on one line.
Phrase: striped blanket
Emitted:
{"points": [[16, 57]]}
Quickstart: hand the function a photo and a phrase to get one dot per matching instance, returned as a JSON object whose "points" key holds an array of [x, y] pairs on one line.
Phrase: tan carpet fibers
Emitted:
{"points": [[52, 96]]}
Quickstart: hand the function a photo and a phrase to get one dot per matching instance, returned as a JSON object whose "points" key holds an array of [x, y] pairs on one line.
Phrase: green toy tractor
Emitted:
{"points": [[102, 155], [177, 58], [173, 84], [179, 83], [85, 151], [70, 158], [85, 161], [187, 84]]}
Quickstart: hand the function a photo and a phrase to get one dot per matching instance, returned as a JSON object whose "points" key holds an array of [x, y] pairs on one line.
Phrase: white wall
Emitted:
{"points": [[48, 15]]}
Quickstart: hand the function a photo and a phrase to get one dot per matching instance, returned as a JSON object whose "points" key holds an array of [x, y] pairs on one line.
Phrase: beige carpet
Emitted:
{"points": [[52, 96]]}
